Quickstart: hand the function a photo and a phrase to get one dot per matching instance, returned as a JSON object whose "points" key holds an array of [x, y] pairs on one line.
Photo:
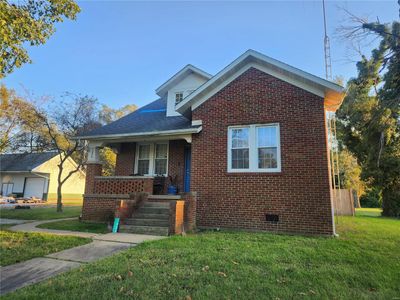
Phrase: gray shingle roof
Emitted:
{"points": [[23, 162], [149, 118]]}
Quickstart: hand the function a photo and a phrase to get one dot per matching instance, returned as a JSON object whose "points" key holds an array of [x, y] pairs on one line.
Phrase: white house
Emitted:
{"points": [[35, 175]]}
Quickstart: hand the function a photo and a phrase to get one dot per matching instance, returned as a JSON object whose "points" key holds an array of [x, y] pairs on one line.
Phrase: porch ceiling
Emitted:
{"points": [[108, 140]]}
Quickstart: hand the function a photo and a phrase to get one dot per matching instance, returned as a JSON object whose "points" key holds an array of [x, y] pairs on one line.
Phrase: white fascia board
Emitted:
{"points": [[266, 64], [141, 134], [182, 73]]}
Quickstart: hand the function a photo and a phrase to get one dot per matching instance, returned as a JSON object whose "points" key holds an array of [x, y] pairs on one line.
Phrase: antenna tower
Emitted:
{"points": [[327, 49]]}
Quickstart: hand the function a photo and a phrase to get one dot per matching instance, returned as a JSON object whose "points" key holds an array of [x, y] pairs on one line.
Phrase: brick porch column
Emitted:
{"points": [[190, 199], [93, 168]]}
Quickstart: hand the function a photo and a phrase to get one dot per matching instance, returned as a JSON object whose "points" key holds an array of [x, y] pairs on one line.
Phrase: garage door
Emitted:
{"points": [[34, 187]]}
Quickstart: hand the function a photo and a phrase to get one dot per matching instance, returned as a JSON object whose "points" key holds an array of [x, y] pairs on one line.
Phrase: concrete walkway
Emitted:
{"points": [[38, 269], [12, 221], [31, 227]]}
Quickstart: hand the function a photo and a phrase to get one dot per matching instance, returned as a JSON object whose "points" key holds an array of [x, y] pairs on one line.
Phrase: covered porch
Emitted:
{"points": [[144, 166], [141, 166]]}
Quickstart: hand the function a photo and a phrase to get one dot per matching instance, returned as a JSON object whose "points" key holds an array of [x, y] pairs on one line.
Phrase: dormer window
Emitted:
{"points": [[178, 97]]}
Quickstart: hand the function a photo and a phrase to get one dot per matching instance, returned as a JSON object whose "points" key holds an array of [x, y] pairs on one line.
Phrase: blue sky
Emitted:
{"points": [[120, 52]]}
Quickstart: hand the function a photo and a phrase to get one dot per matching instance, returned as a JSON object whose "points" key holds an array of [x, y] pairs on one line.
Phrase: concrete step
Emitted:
{"points": [[147, 222], [156, 204], [140, 215], [151, 230], [153, 210]]}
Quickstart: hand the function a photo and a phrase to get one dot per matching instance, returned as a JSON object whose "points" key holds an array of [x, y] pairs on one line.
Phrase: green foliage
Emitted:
{"points": [[372, 198], [28, 22], [350, 172], [108, 158], [19, 125], [369, 117]]}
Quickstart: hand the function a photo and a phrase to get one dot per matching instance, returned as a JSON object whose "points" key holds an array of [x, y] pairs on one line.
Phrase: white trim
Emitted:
{"points": [[271, 66], [178, 93], [253, 150], [188, 68], [152, 157], [197, 122], [140, 134]]}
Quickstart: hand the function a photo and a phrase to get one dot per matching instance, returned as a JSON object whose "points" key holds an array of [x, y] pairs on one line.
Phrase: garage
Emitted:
{"points": [[34, 187]]}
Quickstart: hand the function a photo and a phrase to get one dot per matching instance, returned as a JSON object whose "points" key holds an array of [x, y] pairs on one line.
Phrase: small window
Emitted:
{"points": [[152, 159], [267, 147], [178, 97], [160, 160], [240, 148], [254, 148], [143, 159]]}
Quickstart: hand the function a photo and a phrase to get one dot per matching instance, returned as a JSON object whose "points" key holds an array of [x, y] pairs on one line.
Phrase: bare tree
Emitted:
{"points": [[63, 121]]}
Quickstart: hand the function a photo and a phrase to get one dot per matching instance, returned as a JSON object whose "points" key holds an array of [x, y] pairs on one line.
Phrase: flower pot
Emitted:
{"points": [[172, 190]]}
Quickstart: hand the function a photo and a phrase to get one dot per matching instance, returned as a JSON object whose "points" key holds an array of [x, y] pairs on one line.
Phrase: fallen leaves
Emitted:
{"points": [[118, 277], [222, 274], [205, 268]]}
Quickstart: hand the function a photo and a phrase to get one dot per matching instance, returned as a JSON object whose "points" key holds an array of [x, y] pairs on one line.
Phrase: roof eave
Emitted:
{"points": [[250, 57], [140, 134], [188, 68]]}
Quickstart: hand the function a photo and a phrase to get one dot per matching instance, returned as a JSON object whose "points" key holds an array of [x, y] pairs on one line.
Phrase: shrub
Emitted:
{"points": [[372, 198]]}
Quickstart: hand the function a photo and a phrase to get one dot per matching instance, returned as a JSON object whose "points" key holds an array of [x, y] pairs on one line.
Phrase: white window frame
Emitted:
{"points": [[152, 157], [253, 149], [176, 94]]}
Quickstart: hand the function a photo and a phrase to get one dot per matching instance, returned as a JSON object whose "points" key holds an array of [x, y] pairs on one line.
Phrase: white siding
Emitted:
{"points": [[186, 85], [18, 179], [74, 185]]}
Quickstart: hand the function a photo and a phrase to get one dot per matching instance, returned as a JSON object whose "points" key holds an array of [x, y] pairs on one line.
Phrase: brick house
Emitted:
{"points": [[248, 148]]}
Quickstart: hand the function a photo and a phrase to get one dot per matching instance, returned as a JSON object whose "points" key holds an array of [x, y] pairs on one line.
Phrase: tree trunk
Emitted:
{"points": [[59, 185], [59, 198]]}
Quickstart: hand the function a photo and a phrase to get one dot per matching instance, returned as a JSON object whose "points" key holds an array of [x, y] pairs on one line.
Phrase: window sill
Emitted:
{"points": [[252, 173]]}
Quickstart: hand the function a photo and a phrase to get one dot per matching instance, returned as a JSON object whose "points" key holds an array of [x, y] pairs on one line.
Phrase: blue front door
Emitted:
{"points": [[188, 160]]}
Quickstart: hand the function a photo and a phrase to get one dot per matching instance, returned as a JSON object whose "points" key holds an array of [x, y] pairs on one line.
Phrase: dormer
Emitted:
{"points": [[179, 86]]}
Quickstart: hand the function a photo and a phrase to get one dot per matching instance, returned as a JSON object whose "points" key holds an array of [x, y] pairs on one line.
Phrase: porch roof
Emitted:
{"points": [[148, 120]]}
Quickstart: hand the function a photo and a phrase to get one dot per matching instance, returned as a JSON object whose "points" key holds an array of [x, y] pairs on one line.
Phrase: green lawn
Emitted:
{"points": [[76, 225], [363, 263], [40, 213], [20, 246], [68, 200], [368, 212]]}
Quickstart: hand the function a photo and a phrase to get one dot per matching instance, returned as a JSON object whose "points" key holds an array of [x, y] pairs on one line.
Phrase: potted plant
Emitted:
{"points": [[173, 185]]}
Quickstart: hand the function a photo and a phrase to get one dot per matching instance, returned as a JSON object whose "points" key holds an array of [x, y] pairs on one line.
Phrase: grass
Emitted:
{"points": [[67, 201], [369, 212], [40, 213], [20, 246], [362, 263], [76, 225]]}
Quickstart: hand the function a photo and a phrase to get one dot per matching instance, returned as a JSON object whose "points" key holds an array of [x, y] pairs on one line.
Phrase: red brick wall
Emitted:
{"points": [[176, 161], [100, 208], [189, 210], [300, 194], [125, 160], [92, 170], [110, 185]]}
